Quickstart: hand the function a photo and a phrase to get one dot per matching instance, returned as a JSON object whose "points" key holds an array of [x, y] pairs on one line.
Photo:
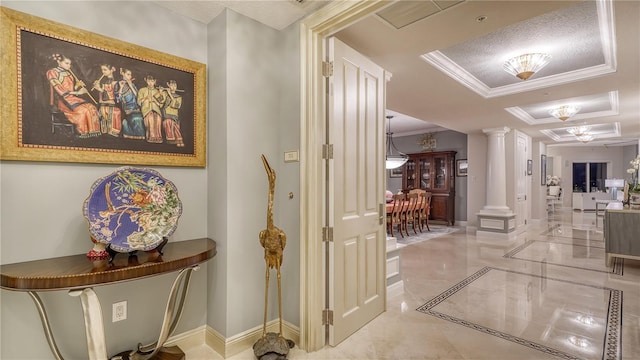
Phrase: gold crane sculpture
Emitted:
{"points": [[273, 240]]}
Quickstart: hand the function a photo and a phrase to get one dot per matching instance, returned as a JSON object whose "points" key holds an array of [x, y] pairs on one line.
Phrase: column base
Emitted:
{"points": [[496, 223]]}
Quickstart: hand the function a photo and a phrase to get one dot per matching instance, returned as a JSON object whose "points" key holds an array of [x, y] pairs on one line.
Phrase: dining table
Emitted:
{"points": [[389, 206]]}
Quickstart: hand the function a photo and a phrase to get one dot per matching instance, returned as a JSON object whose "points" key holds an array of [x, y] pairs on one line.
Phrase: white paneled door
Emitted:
{"points": [[355, 191]]}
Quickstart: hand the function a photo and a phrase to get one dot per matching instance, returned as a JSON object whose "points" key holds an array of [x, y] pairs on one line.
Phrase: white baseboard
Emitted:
{"points": [[188, 339], [215, 340], [396, 288], [238, 343]]}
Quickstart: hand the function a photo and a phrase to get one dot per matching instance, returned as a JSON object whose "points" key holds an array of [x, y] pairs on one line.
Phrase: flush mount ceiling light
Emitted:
{"points": [[564, 112], [579, 130], [585, 138], [524, 66], [397, 159]]}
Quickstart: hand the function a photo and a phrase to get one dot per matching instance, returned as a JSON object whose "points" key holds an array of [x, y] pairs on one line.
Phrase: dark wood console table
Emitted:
{"points": [[78, 275]]}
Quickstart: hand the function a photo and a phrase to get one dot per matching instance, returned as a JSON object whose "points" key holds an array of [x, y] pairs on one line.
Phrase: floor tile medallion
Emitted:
{"points": [[566, 319], [567, 255]]}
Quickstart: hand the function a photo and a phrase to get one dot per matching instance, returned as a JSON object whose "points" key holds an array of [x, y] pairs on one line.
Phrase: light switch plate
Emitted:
{"points": [[291, 156]]}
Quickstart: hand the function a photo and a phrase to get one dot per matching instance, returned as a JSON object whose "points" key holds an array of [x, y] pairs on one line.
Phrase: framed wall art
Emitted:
{"points": [[396, 173], [543, 169], [461, 167], [76, 96]]}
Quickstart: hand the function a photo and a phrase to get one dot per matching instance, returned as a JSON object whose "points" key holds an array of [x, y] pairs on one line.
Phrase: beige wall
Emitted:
{"points": [[260, 115], [41, 206], [476, 176], [612, 155], [253, 108]]}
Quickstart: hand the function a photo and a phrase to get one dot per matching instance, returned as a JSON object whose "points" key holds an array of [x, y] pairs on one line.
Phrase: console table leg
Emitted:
{"points": [[94, 329], [45, 325], [171, 316]]}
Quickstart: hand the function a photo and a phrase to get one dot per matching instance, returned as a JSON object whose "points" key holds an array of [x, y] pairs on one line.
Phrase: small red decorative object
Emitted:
{"points": [[94, 255]]}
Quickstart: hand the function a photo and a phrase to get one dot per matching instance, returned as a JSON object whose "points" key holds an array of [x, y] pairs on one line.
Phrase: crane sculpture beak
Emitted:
{"points": [[267, 167]]}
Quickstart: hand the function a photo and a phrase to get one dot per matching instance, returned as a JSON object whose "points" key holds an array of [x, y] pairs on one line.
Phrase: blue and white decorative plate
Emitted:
{"points": [[132, 209]]}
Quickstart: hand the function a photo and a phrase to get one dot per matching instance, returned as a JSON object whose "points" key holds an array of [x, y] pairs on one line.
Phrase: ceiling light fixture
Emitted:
{"points": [[585, 138], [524, 66], [564, 112], [393, 160], [579, 130]]}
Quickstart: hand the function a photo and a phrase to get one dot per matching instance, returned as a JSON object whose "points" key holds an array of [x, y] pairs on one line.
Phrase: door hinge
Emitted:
{"points": [[327, 151], [327, 234], [327, 317], [327, 68]]}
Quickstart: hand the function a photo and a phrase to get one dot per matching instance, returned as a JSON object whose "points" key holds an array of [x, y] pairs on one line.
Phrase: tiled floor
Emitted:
{"points": [[543, 295]]}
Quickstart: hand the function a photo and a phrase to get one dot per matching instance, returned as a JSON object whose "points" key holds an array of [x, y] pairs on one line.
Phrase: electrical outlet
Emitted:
{"points": [[119, 311]]}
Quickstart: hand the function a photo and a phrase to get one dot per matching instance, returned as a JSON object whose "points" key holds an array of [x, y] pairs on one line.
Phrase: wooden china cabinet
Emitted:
{"points": [[433, 172]]}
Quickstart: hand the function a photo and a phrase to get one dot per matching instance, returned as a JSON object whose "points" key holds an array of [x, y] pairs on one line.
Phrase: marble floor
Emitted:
{"points": [[546, 294]]}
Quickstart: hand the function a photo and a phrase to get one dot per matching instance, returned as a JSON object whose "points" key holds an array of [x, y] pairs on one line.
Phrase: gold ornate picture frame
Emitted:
{"points": [[75, 96]]}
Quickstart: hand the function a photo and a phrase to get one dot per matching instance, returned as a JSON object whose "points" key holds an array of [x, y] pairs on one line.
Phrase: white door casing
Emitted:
{"points": [[355, 190], [313, 31], [522, 200]]}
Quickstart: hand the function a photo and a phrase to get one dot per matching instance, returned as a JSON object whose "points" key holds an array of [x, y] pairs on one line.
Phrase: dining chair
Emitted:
{"points": [[409, 214], [418, 209], [395, 218], [425, 210]]}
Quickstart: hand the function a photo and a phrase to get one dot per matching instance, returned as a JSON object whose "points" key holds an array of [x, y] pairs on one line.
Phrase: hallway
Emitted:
{"points": [[546, 294]]}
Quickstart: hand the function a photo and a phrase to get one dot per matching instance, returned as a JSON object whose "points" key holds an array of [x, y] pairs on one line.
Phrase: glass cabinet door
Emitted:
{"points": [[410, 168], [440, 165], [425, 174]]}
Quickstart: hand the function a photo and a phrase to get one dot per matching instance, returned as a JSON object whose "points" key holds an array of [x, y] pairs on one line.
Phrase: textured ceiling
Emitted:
{"points": [[595, 47], [591, 106], [576, 45], [462, 86]]}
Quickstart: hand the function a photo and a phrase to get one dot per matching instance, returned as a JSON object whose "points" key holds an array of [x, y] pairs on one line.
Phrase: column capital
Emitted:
{"points": [[496, 131]]}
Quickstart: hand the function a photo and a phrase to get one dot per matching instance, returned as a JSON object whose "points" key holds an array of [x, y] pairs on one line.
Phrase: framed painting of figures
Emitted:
{"points": [[75, 96]]}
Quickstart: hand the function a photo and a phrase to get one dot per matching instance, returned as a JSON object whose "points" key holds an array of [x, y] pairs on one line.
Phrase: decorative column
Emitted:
{"points": [[496, 216]]}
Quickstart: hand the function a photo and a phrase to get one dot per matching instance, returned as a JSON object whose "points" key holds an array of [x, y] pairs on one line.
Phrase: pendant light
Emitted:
{"points": [[397, 159]]}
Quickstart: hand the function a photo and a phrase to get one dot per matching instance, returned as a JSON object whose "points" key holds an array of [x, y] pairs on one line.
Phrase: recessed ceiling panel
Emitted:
{"points": [[582, 46], [591, 106], [598, 131]]}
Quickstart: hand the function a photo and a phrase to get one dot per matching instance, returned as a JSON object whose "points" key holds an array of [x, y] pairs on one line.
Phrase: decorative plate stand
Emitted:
{"points": [[130, 210]]}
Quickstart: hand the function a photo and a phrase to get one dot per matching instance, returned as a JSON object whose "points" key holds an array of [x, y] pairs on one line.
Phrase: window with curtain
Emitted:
{"points": [[589, 177]]}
